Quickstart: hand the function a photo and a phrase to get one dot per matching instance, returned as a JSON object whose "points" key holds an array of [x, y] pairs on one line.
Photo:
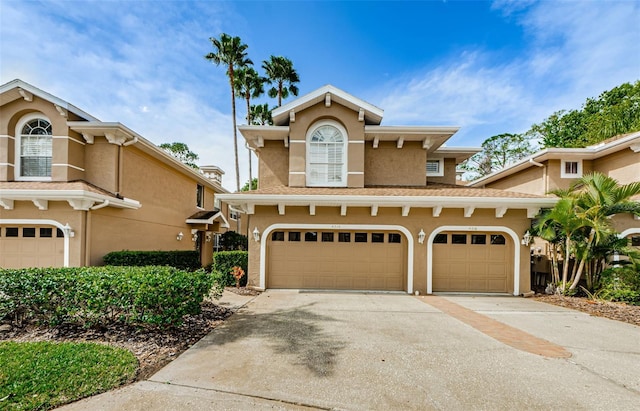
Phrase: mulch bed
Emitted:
{"points": [[614, 311], [154, 348]]}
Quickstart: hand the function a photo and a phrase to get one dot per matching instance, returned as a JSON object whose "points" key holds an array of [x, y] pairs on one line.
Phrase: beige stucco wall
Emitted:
{"points": [[623, 166], [529, 181], [449, 176], [273, 165], [389, 165], [416, 220]]}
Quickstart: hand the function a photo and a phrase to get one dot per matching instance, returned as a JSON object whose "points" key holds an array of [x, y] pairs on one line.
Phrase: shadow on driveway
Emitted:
{"points": [[296, 332]]}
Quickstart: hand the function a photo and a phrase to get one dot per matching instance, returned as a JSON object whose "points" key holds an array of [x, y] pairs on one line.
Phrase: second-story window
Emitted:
{"points": [[200, 196], [35, 149], [435, 168], [326, 155], [571, 169]]}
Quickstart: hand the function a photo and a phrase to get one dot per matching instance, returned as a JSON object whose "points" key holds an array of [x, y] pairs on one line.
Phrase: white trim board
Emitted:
{"points": [[264, 237]]}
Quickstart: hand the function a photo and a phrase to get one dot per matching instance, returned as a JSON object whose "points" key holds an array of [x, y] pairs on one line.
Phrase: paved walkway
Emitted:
{"points": [[361, 351]]}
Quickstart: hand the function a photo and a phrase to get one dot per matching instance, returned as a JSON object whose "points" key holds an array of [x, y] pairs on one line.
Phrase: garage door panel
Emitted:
{"points": [[336, 265], [472, 267]]}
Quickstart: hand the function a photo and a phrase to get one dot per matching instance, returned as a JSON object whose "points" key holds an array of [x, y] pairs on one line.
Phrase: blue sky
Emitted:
{"points": [[488, 67]]}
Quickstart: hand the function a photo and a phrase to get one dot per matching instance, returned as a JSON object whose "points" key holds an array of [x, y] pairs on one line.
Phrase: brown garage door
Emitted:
{"points": [[31, 246], [341, 260], [472, 262]]}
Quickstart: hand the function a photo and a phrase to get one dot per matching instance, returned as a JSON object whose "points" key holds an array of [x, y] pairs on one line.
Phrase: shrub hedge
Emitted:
{"points": [[184, 260], [89, 296], [223, 263]]}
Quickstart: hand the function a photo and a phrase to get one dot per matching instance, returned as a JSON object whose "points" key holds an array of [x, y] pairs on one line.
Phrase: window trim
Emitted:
{"points": [[440, 172], [564, 174], [18, 143], [345, 154]]}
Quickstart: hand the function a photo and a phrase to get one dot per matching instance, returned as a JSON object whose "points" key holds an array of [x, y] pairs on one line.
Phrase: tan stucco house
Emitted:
{"points": [[347, 203], [74, 188], [558, 168]]}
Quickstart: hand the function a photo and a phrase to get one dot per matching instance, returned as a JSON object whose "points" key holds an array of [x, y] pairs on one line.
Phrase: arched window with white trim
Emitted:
{"points": [[326, 155], [34, 148]]}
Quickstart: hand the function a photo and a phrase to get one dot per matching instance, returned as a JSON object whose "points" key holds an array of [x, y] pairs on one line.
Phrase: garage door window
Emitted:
{"points": [[327, 237], [344, 237], [277, 236], [294, 236], [361, 237], [29, 232], [635, 241], [497, 239], [46, 232], [11, 231], [440, 239], [458, 239], [478, 239], [311, 236], [394, 238], [377, 237], [59, 233]]}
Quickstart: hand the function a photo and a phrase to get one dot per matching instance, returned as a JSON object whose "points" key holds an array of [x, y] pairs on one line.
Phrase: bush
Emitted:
{"points": [[223, 263], [231, 240], [621, 284], [181, 259], [89, 296]]}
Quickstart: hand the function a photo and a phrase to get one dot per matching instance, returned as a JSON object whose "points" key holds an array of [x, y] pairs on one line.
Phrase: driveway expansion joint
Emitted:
{"points": [[240, 394]]}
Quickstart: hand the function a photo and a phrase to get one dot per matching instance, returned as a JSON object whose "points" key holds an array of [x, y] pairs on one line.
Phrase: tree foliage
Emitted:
{"points": [[283, 76], [261, 115], [182, 153], [498, 152], [614, 112], [254, 185]]}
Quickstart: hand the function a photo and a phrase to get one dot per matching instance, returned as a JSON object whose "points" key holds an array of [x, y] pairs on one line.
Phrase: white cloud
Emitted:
{"points": [[575, 50]]}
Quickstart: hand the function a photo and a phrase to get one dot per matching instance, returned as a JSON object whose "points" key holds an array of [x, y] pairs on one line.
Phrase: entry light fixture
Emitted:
{"points": [[179, 236], [256, 234], [194, 235], [421, 236], [526, 240], [208, 237]]}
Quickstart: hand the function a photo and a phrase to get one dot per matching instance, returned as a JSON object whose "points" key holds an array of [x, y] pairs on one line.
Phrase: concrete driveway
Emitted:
{"points": [[359, 351]]}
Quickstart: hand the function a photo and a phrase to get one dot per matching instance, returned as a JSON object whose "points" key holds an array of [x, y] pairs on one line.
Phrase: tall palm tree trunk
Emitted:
{"points": [[565, 263], [235, 132], [592, 234]]}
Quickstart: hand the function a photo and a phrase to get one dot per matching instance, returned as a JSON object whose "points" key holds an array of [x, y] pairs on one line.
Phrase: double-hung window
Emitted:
{"points": [[326, 155], [34, 149]]}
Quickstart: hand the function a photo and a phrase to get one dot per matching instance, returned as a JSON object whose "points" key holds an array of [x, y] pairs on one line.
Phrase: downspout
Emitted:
{"points": [[545, 183]]}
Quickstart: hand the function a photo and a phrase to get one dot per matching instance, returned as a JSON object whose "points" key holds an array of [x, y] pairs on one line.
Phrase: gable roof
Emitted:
{"points": [[17, 89], [372, 114], [609, 146]]}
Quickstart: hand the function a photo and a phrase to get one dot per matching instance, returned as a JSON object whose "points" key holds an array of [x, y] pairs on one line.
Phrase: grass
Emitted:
{"points": [[43, 375]]}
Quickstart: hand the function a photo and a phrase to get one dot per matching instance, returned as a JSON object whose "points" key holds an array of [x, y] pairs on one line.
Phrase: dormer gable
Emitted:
{"points": [[368, 113]]}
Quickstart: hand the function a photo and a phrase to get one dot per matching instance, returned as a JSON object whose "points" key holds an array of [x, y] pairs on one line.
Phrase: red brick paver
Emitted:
{"points": [[506, 334]]}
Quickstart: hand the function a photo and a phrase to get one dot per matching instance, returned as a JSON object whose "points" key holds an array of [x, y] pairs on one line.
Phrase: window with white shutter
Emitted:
{"points": [[326, 155]]}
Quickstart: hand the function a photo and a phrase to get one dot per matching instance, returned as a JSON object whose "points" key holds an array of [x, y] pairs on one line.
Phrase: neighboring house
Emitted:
{"points": [[73, 188], [558, 168], [346, 203]]}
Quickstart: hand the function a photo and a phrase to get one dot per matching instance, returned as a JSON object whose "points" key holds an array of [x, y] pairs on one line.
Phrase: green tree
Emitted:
{"points": [[182, 153], [614, 112], [498, 152], [261, 115], [230, 52], [254, 185], [281, 73], [249, 85]]}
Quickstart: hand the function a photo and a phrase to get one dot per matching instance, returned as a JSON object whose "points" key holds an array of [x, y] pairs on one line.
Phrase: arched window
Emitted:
{"points": [[326, 155], [34, 148]]}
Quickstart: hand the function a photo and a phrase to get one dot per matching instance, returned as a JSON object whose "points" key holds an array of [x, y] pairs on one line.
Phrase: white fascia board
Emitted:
{"points": [[319, 95], [240, 200], [46, 96], [588, 153], [64, 195]]}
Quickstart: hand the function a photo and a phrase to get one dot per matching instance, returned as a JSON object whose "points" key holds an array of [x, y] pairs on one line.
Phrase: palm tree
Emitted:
{"points": [[231, 52], [248, 84], [602, 197], [280, 72], [261, 115]]}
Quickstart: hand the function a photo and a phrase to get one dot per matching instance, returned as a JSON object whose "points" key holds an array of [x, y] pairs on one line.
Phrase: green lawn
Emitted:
{"points": [[42, 375]]}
